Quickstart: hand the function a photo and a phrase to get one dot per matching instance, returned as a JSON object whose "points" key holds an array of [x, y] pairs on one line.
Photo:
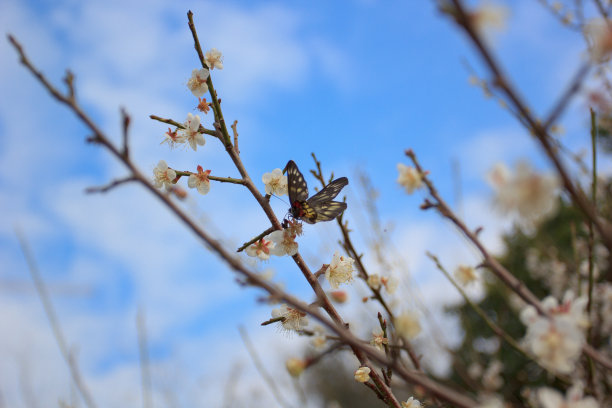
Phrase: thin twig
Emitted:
{"points": [[172, 122], [235, 130], [257, 238], [41, 289], [143, 352], [214, 178], [260, 367], [111, 185], [125, 131]]}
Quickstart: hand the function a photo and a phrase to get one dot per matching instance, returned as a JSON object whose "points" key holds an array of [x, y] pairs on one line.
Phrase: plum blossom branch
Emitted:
{"points": [[202, 129], [578, 197], [257, 238], [215, 178], [489, 261], [334, 322]]}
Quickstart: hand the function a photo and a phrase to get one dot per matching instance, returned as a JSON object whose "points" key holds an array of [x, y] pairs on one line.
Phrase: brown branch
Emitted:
{"points": [[201, 129], [335, 324], [110, 186], [489, 261], [578, 197], [125, 129]]}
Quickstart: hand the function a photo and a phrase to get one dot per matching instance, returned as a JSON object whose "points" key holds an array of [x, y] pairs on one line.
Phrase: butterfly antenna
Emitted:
{"points": [[277, 197]]}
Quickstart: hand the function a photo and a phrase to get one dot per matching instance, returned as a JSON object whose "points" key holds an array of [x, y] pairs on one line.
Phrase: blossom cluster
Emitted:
{"points": [[556, 341], [532, 196]]}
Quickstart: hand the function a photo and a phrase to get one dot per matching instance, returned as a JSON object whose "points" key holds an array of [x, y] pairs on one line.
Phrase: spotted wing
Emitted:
{"points": [[329, 192], [328, 210], [298, 189]]}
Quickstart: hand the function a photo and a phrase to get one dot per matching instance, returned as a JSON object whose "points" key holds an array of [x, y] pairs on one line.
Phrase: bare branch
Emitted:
{"points": [[41, 289], [110, 186]]}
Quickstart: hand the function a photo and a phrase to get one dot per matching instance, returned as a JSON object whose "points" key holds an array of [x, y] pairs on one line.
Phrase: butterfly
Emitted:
{"points": [[320, 206]]}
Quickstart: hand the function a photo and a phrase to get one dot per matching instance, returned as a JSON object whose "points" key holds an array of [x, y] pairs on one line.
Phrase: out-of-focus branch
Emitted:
{"points": [[41, 289], [604, 228], [260, 367], [488, 260]]}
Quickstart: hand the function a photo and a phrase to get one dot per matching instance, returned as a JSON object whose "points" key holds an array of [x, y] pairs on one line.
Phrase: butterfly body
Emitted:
{"points": [[320, 206]]}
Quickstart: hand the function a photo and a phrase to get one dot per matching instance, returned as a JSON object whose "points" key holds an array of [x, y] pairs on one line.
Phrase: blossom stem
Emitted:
{"points": [[257, 238], [213, 94], [215, 178], [202, 129]]}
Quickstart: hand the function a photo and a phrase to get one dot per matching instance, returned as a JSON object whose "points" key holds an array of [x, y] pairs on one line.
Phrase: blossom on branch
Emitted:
{"points": [[488, 17], [200, 181], [530, 195], [192, 131], [275, 182], [214, 59], [556, 341], [295, 366], [407, 325], [163, 176], [465, 274], [551, 398], [197, 83], [378, 340], [599, 34], [260, 249], [409, 177], [340, 270], [362, 374], [411, 403], [173, 138], [284, 242], [292, 319]]}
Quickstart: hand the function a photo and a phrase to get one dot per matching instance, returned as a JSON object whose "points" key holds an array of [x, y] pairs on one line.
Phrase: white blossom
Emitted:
{"points": [[260, 249], [489, 16], [556, 341], [192, 133], [407, 324], [491, 379], [551, 398], [295, 366], [340, 270], [362, 374], [275, 182], [293, 319], [390, 283], [599, 35], [409, 177], [284, 242], [374, 281], [197, 83], [530, 195], [200, 181], [465, 274], [163, 176], [378, 340], [411, 403], [214, 59], [173, 138]]}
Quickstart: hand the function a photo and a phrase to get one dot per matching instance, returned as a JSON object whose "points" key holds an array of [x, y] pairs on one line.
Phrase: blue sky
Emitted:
{"points": [[355, 82]]}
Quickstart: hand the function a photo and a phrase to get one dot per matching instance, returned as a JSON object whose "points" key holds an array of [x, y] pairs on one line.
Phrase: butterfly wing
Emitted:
{"points": [[297, 187], [328, 210], [329, 192]]}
